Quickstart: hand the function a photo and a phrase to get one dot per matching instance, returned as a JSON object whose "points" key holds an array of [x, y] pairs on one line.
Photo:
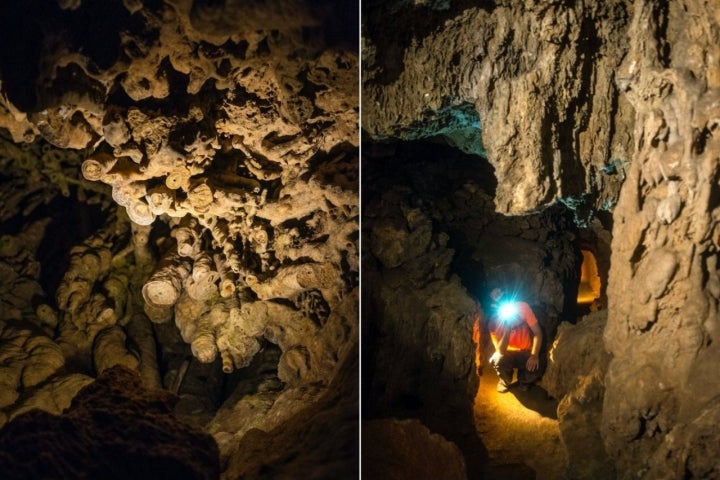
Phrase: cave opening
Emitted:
{"points": [[590, 283]]}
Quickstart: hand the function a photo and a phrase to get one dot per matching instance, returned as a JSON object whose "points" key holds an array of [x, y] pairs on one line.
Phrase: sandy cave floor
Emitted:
{"points": [[519, 430]]}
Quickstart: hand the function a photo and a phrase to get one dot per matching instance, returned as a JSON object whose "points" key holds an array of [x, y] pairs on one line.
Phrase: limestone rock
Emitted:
{"points": [[28, 358], [111, 349], [327, 450], [113, 425], [54, 396], [255, 135], [575, 376], [509, 83], [661, 335], [406, 449]]}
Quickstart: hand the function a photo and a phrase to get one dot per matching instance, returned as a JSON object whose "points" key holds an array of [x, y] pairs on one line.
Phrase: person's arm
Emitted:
{"points": [[500, 345], [534, 361]]}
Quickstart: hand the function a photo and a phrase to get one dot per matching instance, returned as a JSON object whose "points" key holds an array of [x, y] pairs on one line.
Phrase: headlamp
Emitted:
{"points": [[507, 310]]}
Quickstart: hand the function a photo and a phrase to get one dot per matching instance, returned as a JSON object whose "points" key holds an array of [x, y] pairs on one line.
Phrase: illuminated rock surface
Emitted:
{"points": [[180, 197]]}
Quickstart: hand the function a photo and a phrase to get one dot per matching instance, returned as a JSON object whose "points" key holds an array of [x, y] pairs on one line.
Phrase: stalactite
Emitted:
{"points": [[163, 288]]}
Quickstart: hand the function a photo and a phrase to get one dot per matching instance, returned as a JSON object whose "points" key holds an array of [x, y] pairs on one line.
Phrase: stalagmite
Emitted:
{"points": [[140, 332], [110, 349]]}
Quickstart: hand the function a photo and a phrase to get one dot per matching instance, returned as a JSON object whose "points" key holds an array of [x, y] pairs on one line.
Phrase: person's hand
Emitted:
{"points": [[495, 358], [532, 364]]}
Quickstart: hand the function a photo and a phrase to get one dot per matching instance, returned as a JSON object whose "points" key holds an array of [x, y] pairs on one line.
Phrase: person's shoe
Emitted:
{"points": [[524, 387], [502, 387]]}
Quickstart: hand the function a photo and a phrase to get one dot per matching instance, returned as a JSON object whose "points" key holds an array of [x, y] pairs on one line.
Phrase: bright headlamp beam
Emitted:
{"points": [[507, 310]]}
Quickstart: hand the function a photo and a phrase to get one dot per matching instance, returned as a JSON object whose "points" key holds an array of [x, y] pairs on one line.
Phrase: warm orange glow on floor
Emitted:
{"points": [[589, 289], [514, 431]]}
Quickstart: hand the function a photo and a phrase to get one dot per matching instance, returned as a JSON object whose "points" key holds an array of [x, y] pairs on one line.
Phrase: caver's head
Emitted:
{"points": [[496, 294]]}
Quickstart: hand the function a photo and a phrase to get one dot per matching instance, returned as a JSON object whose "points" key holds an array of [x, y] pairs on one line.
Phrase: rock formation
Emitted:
{"points": [[434, 246], [416, 452], [576, 374], [520, 74], [118, 429], [661, 393], [209, 151]]}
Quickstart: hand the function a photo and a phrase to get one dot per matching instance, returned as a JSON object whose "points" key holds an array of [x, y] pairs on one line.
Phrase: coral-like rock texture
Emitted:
{"points": [[179, 198], [235, 126]]}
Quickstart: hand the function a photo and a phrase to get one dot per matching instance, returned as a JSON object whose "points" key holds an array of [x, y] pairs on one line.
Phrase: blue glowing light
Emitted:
{"points": [[507, 310]]}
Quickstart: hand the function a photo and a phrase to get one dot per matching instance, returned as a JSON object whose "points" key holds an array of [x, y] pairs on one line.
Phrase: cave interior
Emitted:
{"points": [[182, 234], [568, 153], [179, 236]]}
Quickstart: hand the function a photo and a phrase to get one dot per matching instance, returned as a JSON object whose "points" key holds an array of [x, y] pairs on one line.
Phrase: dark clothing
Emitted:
{"points": [[517, 359]]}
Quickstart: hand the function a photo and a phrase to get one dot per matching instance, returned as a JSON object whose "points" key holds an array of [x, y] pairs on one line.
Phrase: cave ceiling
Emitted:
{"points": [[205, 154], [531, 87]]}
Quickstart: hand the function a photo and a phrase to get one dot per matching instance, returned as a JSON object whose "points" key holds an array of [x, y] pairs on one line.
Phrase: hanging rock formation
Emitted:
{"points": [[217, 145], [517, 74]]}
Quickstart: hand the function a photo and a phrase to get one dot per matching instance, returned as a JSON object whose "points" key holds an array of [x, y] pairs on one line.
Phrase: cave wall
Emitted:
{"points": [[660, 409], [526, 90], [433, 248], [536, 78]]}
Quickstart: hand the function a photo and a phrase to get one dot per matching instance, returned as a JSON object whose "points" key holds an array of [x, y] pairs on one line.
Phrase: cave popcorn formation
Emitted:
{"points": [[230, 141], [233, 178]]}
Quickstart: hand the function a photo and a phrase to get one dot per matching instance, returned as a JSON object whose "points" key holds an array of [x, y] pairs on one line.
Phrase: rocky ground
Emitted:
{"points": [[520, 432]]}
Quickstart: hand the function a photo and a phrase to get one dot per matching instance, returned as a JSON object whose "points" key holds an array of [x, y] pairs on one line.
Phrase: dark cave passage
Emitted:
{"points": [[436, 247]]}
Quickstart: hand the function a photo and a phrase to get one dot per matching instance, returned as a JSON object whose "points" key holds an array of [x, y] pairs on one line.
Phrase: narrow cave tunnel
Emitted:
{"points": [[179, 226], [435, 248], [590, 282], [565, 152]]}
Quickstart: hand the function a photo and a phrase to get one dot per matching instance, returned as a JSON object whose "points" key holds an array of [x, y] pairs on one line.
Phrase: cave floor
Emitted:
{"points": [[519, 430]]}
